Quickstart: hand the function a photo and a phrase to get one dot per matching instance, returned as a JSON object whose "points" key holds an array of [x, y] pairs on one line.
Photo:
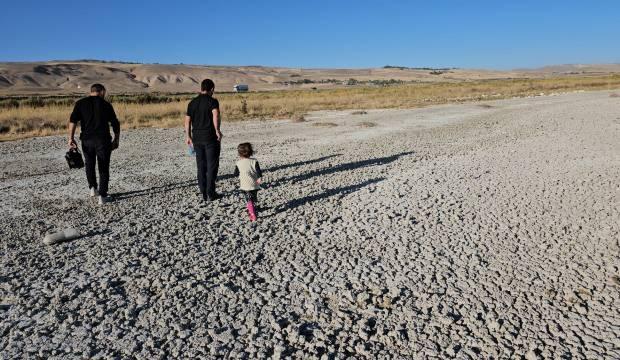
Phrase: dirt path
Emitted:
{"points": [[462, 230]]}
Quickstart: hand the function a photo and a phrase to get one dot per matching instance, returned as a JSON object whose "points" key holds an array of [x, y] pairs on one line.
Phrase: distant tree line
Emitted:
{"points": [[417, 68]]}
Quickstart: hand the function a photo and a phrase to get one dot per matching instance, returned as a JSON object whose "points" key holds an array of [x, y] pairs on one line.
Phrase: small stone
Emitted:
{"points": [[533, 354]]}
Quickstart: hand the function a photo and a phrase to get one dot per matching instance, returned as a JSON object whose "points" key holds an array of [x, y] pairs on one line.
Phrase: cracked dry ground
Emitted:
{"points": [[454, 231]]}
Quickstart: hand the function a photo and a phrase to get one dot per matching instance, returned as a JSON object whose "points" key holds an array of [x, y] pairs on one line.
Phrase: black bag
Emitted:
{"points": [[74, 159]]}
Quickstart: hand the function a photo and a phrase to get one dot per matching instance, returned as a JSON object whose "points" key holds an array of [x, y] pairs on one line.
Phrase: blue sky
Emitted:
{"points": [[320, 33]]}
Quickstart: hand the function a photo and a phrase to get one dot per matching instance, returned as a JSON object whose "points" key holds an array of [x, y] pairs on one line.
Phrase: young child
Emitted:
{"points": [[249, 174]]}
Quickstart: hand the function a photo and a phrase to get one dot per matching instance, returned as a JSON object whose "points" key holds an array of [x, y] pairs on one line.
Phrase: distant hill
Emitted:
{"points": [[69, 77]]}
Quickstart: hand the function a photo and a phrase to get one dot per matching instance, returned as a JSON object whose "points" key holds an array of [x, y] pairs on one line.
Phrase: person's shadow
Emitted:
{"points": [[153, 190], [343, 190], [285, 166], [301, 163], [189, 183], [339, 168], [339, 191]]}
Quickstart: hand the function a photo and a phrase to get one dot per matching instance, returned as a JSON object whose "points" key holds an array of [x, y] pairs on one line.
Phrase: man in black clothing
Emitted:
{"points": [[202, 130], [95, 116]]}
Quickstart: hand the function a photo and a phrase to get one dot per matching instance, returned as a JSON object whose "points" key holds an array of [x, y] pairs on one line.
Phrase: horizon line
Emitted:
{"points": [[386, 66]]}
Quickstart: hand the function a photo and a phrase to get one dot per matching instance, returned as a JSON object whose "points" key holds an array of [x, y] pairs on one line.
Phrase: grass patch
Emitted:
{"points": [[44, 115]]}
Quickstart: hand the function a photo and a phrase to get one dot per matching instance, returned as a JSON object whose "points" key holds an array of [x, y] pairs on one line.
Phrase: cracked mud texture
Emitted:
{"points": [[462, 231]]}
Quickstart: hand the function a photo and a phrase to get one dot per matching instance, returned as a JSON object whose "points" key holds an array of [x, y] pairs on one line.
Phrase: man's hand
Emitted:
{"points": [[115, 143], [219, 135], [72, 143], [188, 141]]}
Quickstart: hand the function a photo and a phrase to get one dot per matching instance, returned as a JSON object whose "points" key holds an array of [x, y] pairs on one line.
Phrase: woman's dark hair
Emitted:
{"points": [[245, 150], [207, 85]]}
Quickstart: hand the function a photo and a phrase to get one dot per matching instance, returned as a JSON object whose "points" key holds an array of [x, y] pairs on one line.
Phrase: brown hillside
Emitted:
{"points": [[67, 77]]}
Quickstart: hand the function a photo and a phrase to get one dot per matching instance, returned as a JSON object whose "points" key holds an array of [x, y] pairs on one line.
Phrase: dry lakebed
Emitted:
{"points": [[477, 230]]}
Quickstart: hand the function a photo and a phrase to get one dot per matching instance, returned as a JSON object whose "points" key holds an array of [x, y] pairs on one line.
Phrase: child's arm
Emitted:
{"points": [[259, 173]]}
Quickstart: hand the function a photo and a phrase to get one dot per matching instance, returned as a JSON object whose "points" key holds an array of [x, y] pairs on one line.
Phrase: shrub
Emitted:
{"points": [[298, 118], [385, 82], [9, 104], [244, 106], [367, 124], [325, 124], [61, 102], [150, 99], [35, 102]]}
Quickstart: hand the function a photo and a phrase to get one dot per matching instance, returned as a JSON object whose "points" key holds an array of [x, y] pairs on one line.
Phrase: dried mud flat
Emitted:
{"points": [[461, 231]]}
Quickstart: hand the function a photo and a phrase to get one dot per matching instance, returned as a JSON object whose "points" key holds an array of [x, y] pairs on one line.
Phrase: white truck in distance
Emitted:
{"points": [[241, 88]]}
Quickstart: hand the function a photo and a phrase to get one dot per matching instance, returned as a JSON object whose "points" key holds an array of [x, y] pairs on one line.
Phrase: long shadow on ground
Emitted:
{"points": [[188, 183], [300, 163], [153, 190], [285, 166], [342, 167], [339, 191]]}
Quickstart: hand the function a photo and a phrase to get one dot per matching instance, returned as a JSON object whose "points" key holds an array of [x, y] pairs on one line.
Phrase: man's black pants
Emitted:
{"points": [[97, 151], [207, 163]]}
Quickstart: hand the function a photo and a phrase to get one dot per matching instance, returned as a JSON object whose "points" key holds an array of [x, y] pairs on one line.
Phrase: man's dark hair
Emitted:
{"points": [[97, 88], [245, 150], [207, 85]]}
